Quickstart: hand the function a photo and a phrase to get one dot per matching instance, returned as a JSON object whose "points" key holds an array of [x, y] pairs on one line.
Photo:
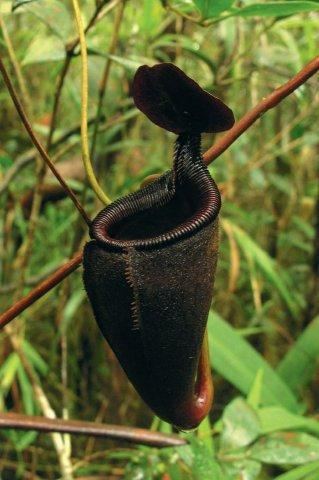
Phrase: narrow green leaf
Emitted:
{"points": [[300, 473], [164, 427], [276, 9], [187, 44], [304, 227], [301, 362], [209, 8], [254, 397], [25, 440], [151, 16], [267, 266], [274, 419], [26, 390], [35, 358], [8, 372], [237, 361], [204, 433], [174, 472], [71, 308]]}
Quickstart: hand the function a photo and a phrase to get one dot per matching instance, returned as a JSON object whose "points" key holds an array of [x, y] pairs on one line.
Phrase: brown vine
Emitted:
{"points": [[114, 432]]}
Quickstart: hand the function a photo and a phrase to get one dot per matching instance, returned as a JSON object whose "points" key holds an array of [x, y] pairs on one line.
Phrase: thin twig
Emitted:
{"points": [[64, 293], [70, 49], [105, 77], [84, 109], [44, 404], [115, 432], [240, 127], [100, 11], [26, 158], [23, 254], [41, 289], [29, 282], [37, 143], [17, 70], [57, 97]]}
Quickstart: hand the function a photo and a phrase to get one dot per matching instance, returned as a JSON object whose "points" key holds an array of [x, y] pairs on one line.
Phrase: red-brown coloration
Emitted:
{"points": [[78, 427], [197, 407], [149, 275], [172, 100], [154, 328]]}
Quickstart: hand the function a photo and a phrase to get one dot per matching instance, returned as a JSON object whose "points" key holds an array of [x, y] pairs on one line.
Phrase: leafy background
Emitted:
{"points": [[264, 325]]}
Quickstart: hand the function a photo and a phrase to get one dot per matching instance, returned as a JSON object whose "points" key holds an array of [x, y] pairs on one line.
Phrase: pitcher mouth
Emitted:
{"points": [[174, 206]]}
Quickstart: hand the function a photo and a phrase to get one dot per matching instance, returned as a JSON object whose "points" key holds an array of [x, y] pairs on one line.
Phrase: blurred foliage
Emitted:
{"points": [[264, 328]]}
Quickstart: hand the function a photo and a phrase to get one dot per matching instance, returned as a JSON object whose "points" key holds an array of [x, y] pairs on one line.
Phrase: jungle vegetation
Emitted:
{"points": [[264, 323]]}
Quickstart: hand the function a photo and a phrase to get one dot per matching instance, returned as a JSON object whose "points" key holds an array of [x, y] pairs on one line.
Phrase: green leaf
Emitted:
{"points": [[304, 227], [174, 472], [300, 473], [5, 163], [267, 266], [26, 390], [18, 3], [276, 9], [274, 419], [35, 358], [25, 439], [71, 308], [243, 470], [188, 44], [54, 14], [8, 372], [254, 397], [186, 454], [151, 16], [164, 427], [237, 361], [212, 8], [241, 425], [204, 433], [204, 466], [312, 475], [301, 362], [44, 48], [286, 448]]}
